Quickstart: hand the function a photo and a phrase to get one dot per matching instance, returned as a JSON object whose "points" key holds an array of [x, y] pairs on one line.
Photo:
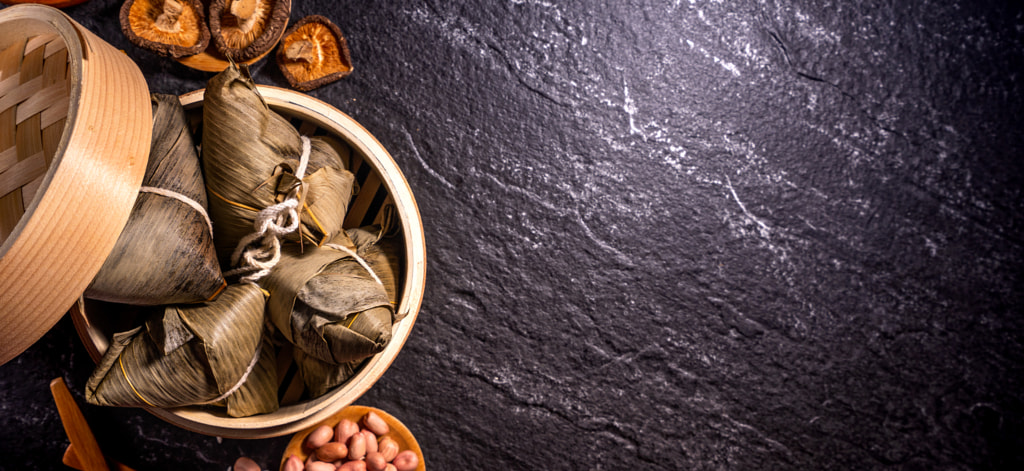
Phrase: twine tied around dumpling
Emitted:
{"points": [[182, 198], [358, 259], [259, 251], [238, 384]]}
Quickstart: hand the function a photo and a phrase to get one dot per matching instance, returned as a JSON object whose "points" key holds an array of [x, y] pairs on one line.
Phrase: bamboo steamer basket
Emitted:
{"points": [[382, 189], [73, 151]]}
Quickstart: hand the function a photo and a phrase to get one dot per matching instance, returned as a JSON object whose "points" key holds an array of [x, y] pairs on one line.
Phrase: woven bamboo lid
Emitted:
{"points": [[75, 126]]}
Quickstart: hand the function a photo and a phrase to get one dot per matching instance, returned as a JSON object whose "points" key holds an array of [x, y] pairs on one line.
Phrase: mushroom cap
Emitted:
{"points": [[242, 40], [326, 61], [185, 37]]}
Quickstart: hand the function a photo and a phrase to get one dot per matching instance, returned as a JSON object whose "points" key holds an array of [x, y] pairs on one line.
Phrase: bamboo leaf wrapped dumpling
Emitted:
{"points": [[381, 255], [319, 376], [207, 353], [326, 303], [253, 159], [258, 393], [165, 254]]}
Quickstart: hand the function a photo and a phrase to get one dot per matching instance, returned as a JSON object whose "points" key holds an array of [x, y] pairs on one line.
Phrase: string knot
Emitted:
{"points": [[260, 251]]}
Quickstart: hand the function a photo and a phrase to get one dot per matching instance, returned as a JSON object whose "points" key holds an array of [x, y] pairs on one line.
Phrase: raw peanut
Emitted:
{"points": [[319, 466], [318, 437], [353, 466], [406, 461], [390, 467], [246, 464], [357, 447], [332, 451], [375, 461], [344, 430], [388, 447], [293, 464], [375, 423], [371, 441]]}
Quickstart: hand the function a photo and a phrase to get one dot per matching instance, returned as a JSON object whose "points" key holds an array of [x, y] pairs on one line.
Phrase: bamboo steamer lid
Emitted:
{"points": [[75, 126]]}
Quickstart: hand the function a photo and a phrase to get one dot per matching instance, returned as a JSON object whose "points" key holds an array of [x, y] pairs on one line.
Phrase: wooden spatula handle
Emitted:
{"points": [[71, 461], [86, 447]]}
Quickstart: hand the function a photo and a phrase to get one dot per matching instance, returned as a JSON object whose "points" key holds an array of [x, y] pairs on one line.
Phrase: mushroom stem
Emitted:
{"points": [[167, 20], [300, 51], [243, 9], [245, 12]]}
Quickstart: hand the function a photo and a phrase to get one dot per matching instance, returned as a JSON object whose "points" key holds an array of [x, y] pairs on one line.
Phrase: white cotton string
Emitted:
{"points": [[245, 376], [358, 259], [304, 160], [180, 197], [271, 223]]}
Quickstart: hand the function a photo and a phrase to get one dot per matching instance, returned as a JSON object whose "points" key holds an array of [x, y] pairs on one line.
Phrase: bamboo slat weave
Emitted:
{"points": [[75, 126], [33, 110]]}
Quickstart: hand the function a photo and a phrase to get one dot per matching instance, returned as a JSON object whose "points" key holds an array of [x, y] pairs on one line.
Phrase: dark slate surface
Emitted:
{"points": [[669, 235]]}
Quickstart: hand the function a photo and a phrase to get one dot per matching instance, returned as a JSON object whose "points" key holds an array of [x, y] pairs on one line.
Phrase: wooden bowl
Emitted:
{"points": [[381, 185], [73, 149], [399, 432], [211, 60]]}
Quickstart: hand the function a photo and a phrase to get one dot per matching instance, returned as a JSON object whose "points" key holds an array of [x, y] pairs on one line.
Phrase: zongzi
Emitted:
{"points": [[264, 178], [319, 376], [165, 254], [193, 354], [381, 255], [329, 302]]}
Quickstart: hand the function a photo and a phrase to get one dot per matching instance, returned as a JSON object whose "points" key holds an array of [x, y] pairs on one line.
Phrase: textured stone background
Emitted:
{"points": [[669, 235]]}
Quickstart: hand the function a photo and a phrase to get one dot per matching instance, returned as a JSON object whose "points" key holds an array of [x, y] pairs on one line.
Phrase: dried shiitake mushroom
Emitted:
{"points": [[170, 28], [246, 29], [313, 53]]}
